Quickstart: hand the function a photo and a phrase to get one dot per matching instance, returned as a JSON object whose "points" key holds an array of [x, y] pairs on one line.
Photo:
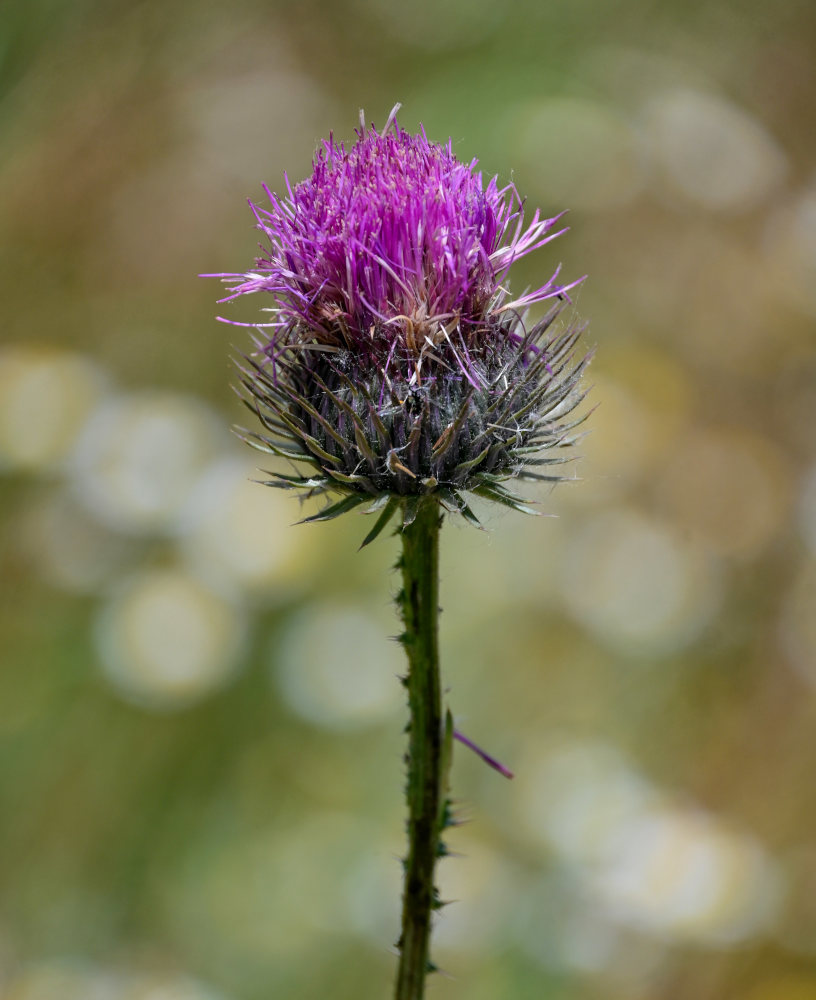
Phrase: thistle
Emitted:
{"points": [[396, 370]]}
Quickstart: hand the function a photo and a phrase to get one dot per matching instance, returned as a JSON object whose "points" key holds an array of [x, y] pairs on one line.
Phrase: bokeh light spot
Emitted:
{"points": [[730, 487], [166, 641], [637, 584], [580, 798], [677, 872], [807, 509], [45, 398], [712, 151], [797, 624], [138, 458], [579, 153], [790, 249], [334, 667], [238, 535], [69, 548]]}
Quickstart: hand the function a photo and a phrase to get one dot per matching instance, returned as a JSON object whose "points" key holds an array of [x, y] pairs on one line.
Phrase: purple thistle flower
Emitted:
{"points": [[396, 362]]}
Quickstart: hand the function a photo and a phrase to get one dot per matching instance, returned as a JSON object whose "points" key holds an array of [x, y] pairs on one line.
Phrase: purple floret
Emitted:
{"points": [[392, 243]]}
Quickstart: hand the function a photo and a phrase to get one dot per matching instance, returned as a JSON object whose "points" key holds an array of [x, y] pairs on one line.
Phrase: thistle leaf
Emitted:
{"points": [[537, 477], [463, 467], [505, 498], [378, 503], [446, 759], [410, 512], [387, 513], [335, 509], [469, 516], [281, 482]]}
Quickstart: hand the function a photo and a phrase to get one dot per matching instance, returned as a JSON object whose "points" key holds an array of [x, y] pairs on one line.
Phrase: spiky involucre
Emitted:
{"points": [[396, 365]]}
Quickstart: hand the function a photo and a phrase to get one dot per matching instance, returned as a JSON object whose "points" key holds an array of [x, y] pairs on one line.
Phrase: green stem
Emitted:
{"points": [[419, 601]]}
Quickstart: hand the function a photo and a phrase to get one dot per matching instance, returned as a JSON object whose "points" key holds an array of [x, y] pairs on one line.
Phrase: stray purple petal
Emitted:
{"points": [[491, 761]]}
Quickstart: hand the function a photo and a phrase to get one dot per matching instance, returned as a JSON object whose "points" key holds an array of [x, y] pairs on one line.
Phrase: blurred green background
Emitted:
{"points": [[200, 722]]}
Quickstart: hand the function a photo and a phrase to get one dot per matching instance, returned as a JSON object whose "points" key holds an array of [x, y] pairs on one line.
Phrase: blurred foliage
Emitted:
{"points": [[200, 723]]}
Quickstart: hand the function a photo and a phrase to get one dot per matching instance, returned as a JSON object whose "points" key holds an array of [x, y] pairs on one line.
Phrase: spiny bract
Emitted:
{"points": [[396, 365]]}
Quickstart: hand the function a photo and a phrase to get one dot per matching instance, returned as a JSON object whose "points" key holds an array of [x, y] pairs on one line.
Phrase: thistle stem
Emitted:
{"points": [[419, 600]]}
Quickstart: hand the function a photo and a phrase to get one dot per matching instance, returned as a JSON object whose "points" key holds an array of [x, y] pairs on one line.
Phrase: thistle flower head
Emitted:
{"points": [[396, 363]]}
